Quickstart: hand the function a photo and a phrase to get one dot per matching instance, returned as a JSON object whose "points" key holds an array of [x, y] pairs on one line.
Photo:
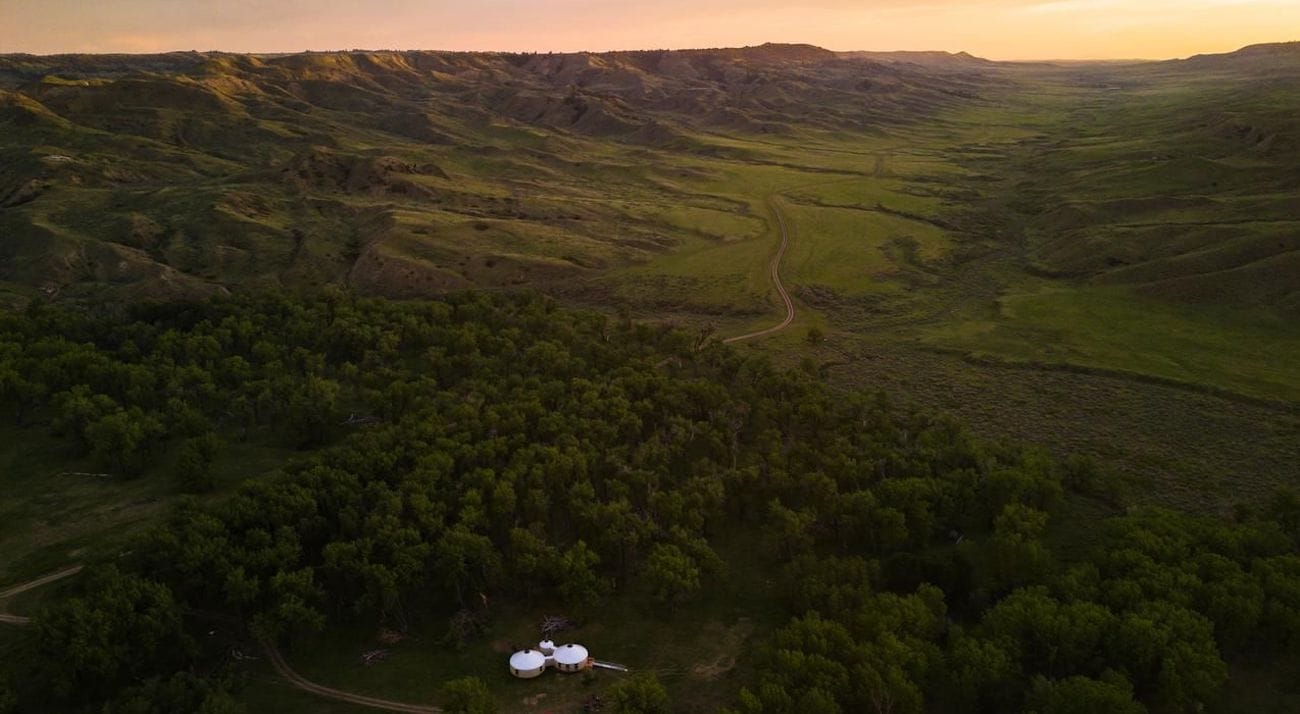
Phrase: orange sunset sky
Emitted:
{"points": [[999, 29]]}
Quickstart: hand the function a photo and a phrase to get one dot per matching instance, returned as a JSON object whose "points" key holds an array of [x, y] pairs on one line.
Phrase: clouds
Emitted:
{"points": [[995, 28]]}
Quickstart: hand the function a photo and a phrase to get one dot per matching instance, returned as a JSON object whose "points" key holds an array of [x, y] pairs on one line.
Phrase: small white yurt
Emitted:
{"points": [[526, 664], [547, 647], [570, 658]]}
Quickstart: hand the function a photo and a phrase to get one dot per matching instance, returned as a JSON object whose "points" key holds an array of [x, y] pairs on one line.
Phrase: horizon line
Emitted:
{"points": [[1021, 60]]}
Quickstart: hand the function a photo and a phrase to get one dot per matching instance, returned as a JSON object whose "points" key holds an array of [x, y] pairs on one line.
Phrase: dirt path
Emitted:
{"points": [[284, 670], [775, 270], [277, 660], [29, 585]]}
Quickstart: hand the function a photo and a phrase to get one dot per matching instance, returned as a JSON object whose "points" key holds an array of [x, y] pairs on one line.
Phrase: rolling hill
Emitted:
{"points": [[399, 173], [956, 225]]}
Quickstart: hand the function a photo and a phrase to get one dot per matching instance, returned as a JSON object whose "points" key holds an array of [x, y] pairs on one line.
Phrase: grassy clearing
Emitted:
{"points": [[49, 515], [1262, 685], [697, 651], [1111, 328], [842, 249], [55, 512], [727, 226], [870, 193], [848, 251]]}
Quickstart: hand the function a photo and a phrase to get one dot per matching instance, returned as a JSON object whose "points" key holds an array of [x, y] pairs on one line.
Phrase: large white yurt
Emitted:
{"points": [[526, 664], [570, 658]]}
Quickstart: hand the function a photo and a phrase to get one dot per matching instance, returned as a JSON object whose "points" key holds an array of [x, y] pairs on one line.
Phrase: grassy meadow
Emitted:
{"points": [[695, 651], [975, 251], [57, 511]]}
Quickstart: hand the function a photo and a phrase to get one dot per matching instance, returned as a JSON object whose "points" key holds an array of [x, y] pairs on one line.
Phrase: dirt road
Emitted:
{"points": [[774, 203], [277, 660], [30, 584], [284, 670]]}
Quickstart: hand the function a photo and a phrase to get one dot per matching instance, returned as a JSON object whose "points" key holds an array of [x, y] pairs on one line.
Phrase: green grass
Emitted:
{"points": [[871, 192], [52, 515], [1248, 352], [697, 651], [855, 252], [727, 226], [1262, 685]]}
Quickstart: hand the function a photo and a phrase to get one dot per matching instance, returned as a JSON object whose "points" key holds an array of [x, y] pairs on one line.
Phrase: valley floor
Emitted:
{"points": [[1100, 261]]}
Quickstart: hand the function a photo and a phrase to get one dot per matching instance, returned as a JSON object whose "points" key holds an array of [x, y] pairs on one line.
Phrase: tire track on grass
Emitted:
{"points": [[278, 662], [774, 203], [20, 588], [283, 669], [774, 271]]}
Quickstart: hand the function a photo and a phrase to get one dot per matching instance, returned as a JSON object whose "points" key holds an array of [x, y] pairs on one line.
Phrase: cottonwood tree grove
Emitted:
{"points": [[497, 446]]}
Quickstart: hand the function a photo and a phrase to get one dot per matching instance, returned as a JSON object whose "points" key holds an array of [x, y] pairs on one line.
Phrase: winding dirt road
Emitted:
{"points": [[283, 669], [29, 585], [774, 203], [277, 660]]}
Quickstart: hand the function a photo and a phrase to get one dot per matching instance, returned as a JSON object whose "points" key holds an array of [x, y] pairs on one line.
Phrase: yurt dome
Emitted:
{"points": [[570, 658], [527, 664], [547, 647]]}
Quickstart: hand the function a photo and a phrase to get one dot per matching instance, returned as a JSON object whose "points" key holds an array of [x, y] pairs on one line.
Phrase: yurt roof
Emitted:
{"points": [[527, 660], [571, 654]]}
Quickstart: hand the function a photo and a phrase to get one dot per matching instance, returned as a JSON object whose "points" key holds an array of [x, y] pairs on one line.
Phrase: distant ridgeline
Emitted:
{"points": [[413, 173], [494, 445], [187, 173]]}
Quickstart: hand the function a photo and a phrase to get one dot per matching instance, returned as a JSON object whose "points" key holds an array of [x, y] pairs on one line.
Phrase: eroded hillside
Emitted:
{"points": [[399, 173]]}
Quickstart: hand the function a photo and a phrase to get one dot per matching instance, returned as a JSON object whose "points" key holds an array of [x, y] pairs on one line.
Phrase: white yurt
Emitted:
{"points": [[526, 664], [547, 647], [570, 658]]}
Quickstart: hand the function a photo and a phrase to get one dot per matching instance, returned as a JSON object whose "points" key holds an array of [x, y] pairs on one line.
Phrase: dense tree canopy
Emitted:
{"points": [[496, 446]]}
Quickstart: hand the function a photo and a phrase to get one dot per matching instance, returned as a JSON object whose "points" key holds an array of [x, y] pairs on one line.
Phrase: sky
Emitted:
{"points": [[997, 29]]}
